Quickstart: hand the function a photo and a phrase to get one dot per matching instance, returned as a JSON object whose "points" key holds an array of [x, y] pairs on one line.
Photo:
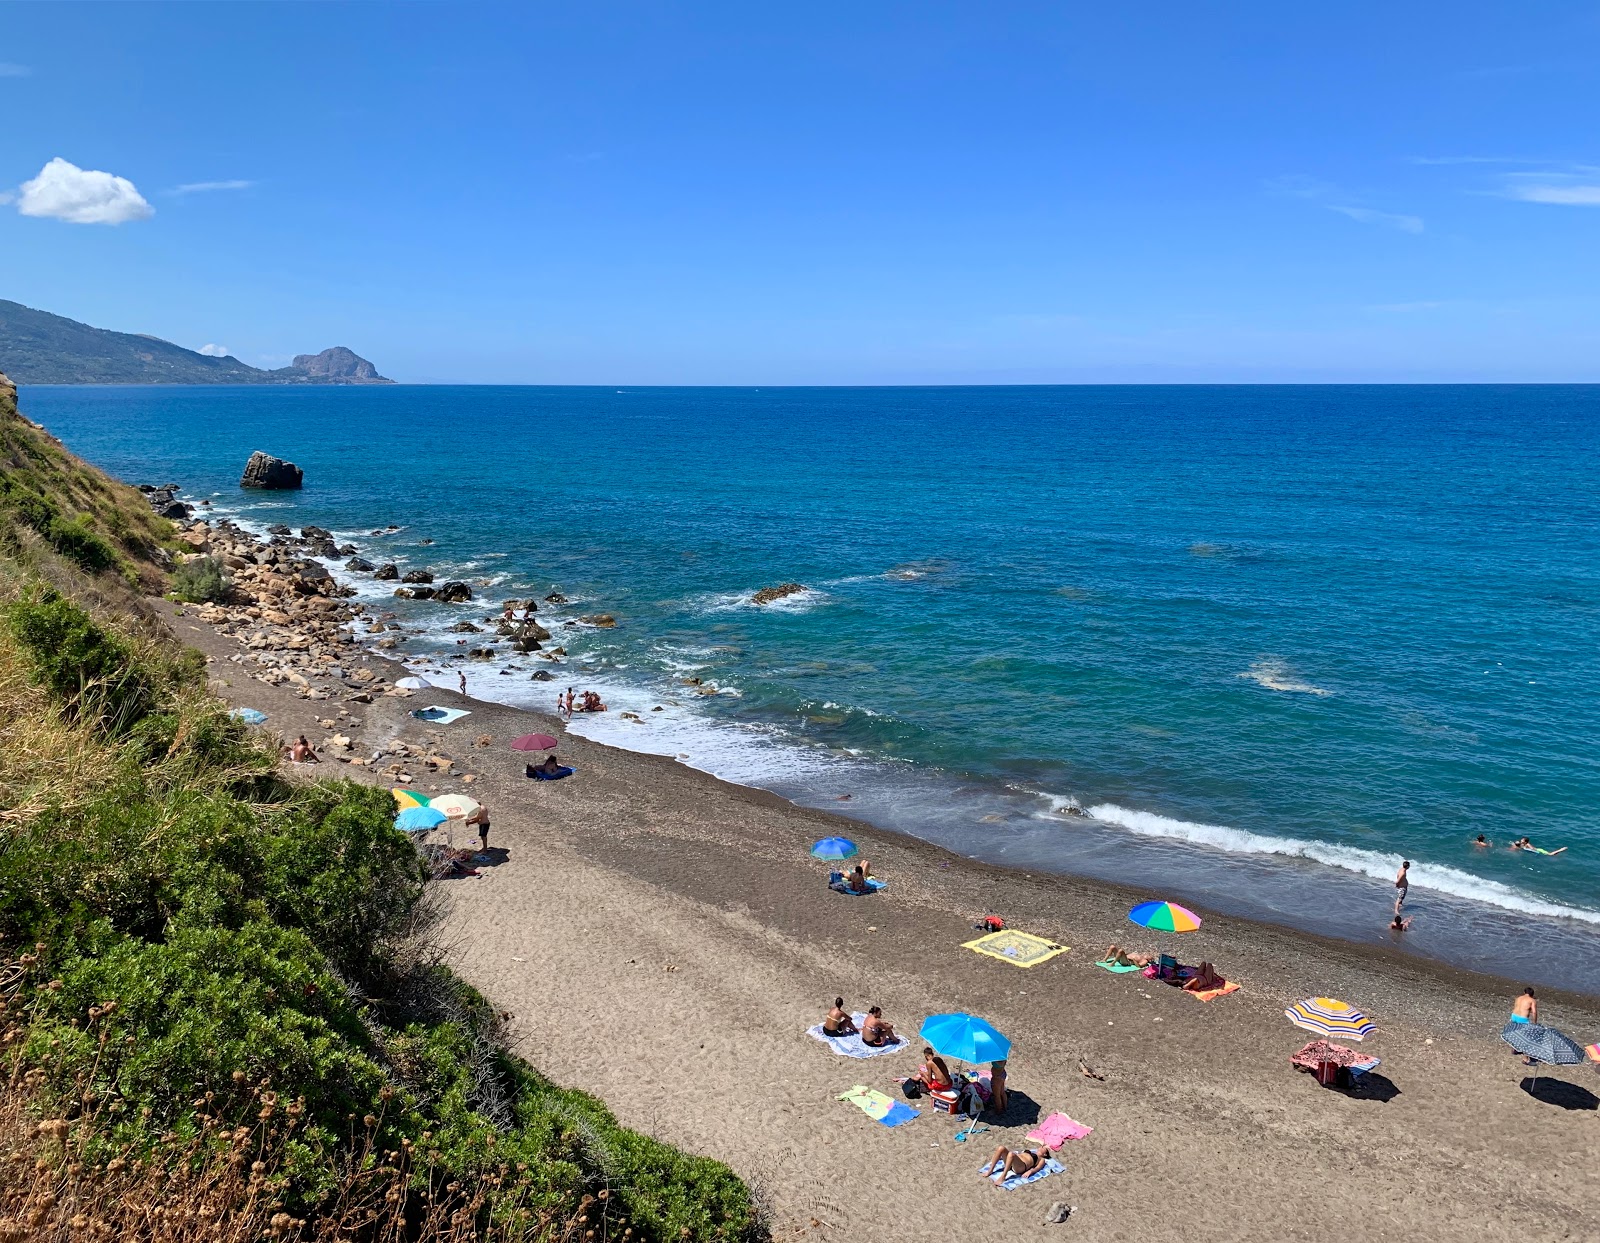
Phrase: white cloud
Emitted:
{"points": [[8, 70], [63, 191], [1367, 215], [1568, 195], [213, 351], [203, 187]]}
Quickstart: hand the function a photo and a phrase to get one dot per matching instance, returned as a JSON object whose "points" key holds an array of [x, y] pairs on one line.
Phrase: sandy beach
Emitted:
{"points": [[663, 939]]}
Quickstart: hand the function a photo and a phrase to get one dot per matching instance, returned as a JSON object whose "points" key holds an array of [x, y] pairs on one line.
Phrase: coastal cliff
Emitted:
{"points": [[37, 347]]}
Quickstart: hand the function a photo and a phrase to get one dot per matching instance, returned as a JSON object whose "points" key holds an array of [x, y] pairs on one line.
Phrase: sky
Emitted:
{"points": [[856, 193]]}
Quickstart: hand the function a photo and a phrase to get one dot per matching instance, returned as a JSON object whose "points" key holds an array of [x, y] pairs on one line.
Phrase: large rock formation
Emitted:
{"points": [[265, 471], [339, 365], [768, 594]]}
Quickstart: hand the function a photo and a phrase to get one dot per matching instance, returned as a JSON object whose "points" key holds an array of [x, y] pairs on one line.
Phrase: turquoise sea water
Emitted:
{"points": [[1272, 639]]}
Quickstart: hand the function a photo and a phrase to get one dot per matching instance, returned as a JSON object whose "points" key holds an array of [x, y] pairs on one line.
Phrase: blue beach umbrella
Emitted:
{"points": [[965, 1037], [834, 849], [250, 716], [419, 819]]}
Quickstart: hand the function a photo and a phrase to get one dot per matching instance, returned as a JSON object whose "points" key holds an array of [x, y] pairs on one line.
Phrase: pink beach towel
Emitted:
{"points": [[1057, 1129]]}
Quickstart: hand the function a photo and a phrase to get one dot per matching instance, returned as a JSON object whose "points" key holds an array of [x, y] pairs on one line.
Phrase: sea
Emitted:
{"points": [[1245, 648]]}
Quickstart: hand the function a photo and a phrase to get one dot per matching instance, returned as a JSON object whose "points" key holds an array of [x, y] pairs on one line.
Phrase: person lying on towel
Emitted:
{"points": [[1123, 958], [1204, 979], [1005, 1163]]}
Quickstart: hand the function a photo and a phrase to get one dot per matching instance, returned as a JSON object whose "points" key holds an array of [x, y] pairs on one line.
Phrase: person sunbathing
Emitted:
{"points": [[551, 766], [857, 880], [838, 1022], [1204, 980], [1123, 958], [302, 753], [875, 1033], [933, 1074], [1005, 1163]]}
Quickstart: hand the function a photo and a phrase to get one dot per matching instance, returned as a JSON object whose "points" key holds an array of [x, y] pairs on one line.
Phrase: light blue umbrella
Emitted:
{"points": [[834, 849], [419, 819], [965, 1037], [250, 716]]}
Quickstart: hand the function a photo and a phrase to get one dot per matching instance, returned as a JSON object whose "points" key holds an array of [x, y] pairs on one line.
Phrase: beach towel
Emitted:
{"points": [[1021, 949], [1051, 1166], [852, 1046], [1057, 1129], [441, 716], [250, 716], [1211, 994], [559, 773], [1119, 968], [878, 1107], [1593, 1051], [873, 885]]}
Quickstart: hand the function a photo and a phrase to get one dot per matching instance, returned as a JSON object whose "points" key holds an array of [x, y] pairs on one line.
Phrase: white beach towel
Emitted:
{"points": [[438, 715], [851, 1046]]}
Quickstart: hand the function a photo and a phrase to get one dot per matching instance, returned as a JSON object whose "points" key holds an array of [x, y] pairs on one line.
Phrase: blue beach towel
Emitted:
{"points": [[1051, 1166], [873, 885], [561, 772], [249, 716], [852, 1046]]}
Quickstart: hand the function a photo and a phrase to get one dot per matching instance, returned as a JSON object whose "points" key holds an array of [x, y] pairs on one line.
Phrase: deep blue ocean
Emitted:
{"points": [[1270, 639]]}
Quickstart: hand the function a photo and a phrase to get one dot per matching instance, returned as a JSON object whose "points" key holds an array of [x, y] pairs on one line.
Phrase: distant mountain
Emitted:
{"points": [[37, 347]]}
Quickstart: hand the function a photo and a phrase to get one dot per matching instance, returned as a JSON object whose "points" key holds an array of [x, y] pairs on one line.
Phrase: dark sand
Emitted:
{"points": [[663, 939]]}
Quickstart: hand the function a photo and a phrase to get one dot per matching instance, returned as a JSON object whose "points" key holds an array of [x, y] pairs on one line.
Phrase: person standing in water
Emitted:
{"points": [[463, 680], [1402, 882]]}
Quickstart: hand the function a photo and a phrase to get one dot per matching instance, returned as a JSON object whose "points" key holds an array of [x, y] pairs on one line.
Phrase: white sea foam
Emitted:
{"points": [[1348, 858], [1275, 675], [802, 601]]}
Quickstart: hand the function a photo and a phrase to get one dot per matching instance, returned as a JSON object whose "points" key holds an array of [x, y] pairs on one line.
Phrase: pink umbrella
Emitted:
{"points": [[534, 742]]}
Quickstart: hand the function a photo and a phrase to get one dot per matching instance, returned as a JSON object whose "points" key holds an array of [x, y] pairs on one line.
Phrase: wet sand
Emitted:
{"points": [[663, 939]]}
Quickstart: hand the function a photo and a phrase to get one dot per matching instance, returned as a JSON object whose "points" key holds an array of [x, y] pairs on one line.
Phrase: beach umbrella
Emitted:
{"points": [[408, 798], [1543, 1044], [1329, 1017], [455, 806], [413, 684], [533, 742], [965, 1037], [834, 849], [419, 819], [249, 716], [1164, 917]]}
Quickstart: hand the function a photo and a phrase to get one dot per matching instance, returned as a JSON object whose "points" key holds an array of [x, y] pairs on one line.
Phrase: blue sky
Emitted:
{"points": [[824, 193]]}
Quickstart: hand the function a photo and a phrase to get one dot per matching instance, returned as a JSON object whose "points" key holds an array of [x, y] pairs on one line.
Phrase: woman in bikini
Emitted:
{"points": [[1122, 958], [838, 1022], [875, 1033], [1005, 1163]]}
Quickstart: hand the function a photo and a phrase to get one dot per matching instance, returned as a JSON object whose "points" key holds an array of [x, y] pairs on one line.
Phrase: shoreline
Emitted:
{"points": [[1457, 932]]}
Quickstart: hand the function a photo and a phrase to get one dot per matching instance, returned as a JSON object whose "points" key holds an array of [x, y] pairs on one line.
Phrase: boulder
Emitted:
{"points": [[541, 675], [176, 510], [454, 592], [360, 564], [316, 535], [555, 597], [277, 528], [768, 594], [603, 620], [465, 627], [386, 572], [265, 471], [417, 576], [414, 593]]}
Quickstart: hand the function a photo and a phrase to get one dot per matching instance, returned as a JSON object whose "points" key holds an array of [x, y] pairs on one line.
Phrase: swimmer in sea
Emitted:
{"points": [[1482, 841]]}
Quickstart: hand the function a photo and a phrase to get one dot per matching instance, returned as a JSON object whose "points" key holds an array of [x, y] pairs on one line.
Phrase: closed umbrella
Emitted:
{"points": [[455, 806], [834, 849], [1327, 1016], [533, 742]]}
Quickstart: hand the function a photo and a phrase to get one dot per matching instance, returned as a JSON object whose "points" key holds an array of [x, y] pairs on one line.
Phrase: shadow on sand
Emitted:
{"points": [[1560, 1092]]}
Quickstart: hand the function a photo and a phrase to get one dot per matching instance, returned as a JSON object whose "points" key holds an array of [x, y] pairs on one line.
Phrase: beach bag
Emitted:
{"points": [[912, 1088]]}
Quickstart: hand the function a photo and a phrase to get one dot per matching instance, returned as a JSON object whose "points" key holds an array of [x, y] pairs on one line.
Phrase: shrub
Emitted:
{"points": [[89, 670], [203, 580]]}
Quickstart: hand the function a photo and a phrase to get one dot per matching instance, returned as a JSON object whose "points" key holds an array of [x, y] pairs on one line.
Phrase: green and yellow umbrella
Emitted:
{"points": [[1164, 917], [409, 798]]}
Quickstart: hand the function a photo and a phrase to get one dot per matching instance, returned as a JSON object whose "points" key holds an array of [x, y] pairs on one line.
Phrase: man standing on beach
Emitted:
{"points": [[463, 678], [1402, 882]]}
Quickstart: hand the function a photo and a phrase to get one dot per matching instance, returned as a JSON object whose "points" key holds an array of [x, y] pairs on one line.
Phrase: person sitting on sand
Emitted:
{"points": [[551, 766], [838, 1022], [1204, 979], [1004, 1163], [857, 880], [302, 753], [875, 1033], [592, 702], [1123, 958], [933, 1074]]}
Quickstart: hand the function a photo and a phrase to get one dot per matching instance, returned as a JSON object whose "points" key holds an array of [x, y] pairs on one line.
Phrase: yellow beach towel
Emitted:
{"points": [[1021, 949]]}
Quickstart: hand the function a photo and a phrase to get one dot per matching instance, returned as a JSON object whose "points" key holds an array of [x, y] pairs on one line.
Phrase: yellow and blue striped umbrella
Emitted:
{"points": [[1329, 1017], [408, 798]]}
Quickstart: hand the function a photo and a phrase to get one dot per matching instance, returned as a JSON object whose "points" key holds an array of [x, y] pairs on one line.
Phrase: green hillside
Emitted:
{"points": [[37, 347]]}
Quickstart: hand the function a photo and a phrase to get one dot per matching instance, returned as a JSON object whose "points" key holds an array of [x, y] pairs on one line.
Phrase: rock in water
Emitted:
{"points": [[265, 471], [417, 576], [454, 592], [386, 571], [360, 564], [768, 594]]}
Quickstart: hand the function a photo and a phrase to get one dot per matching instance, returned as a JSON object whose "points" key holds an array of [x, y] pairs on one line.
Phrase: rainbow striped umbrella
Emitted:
{"points": [[1164, 917], [1329, 1017]]}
